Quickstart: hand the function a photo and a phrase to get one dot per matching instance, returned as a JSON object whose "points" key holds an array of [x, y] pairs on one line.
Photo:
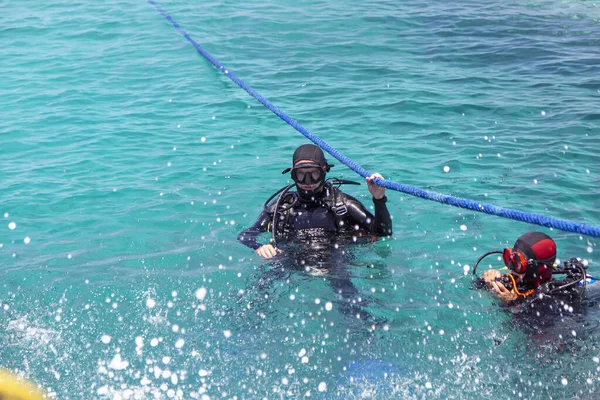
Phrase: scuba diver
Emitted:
{"points": [[530, 261], [312, 226], [317, 216], [530, 290]]}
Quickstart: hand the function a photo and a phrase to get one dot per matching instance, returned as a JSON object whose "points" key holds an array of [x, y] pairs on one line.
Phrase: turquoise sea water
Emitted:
{"points": [[129, 164]]}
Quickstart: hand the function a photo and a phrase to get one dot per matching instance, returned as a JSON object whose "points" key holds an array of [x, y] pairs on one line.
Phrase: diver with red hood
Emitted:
{"points": [[553, 304], [318, 215], [531, 290], [530, 261]]}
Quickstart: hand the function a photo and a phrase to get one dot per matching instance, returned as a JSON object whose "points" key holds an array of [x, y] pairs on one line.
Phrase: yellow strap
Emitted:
{"points": [[13, 387], [527, 293]]}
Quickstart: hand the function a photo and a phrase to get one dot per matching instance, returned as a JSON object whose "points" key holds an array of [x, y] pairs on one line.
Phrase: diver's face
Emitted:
{"points": [[308, 175]]}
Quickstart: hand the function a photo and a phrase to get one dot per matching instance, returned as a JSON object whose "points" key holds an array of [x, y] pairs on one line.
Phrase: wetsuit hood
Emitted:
{"points": [[310, 152], [313, 156], [540, 248]]}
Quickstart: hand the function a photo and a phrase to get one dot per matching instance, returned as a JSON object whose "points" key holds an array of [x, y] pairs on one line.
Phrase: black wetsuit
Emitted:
{"points": [[317, 224], [313, 235], [541, 311], [550, 315]]}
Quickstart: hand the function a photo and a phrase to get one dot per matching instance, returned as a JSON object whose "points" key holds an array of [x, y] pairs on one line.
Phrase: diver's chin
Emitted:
{"points": [[309, 192], [308, 188]]}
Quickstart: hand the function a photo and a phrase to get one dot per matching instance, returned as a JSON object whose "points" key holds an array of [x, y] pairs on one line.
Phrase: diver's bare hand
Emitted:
{"points": [[378, 192], [490, 276], [501, 291], [267, 251]]}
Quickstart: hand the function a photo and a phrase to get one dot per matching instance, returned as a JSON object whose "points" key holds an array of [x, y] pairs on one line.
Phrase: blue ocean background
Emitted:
{"points": [[129, 164]]}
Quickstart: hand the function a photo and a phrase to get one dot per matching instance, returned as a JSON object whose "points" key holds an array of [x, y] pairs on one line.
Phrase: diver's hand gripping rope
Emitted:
{"points": [[537, 219]]}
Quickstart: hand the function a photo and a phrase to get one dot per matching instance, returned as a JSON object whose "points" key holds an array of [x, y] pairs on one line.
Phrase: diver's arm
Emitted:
{"points": [[379, 224], [383, 221], [248, 236]]}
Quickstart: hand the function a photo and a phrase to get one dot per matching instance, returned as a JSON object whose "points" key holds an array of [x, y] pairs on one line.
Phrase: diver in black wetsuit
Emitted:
{"points": [[317, 217], [311, 226]]}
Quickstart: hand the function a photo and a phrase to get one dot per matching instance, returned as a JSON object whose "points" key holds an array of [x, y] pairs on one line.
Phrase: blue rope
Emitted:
{"points": [[537, 219]]}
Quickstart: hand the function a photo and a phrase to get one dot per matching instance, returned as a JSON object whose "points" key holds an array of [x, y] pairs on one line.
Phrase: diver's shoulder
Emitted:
{"points": [[340, 193]]}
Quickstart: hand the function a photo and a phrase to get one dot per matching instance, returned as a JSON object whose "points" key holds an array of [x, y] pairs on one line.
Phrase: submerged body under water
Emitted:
{"points": [[554, 322], [317, 254]]}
